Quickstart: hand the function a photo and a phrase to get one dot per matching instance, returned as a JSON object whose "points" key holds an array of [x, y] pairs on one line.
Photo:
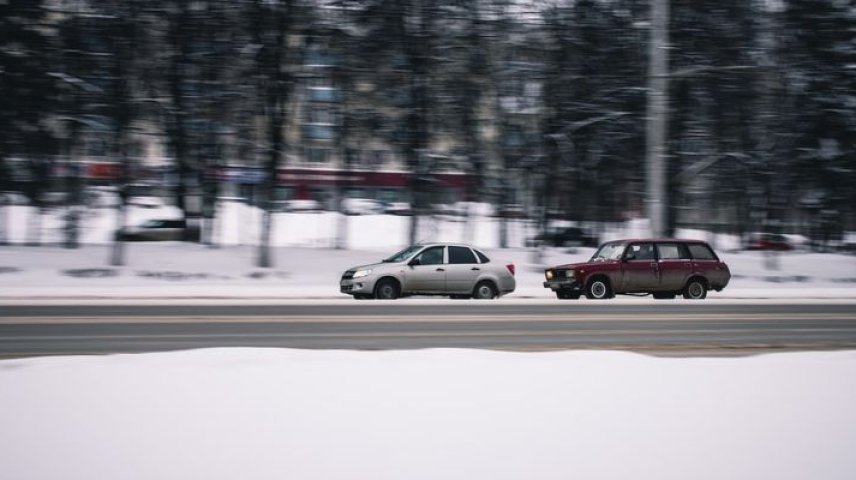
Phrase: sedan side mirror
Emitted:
{"points": [[414, 262]]}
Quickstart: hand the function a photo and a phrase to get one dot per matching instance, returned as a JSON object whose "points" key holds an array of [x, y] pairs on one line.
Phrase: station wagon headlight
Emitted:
{"points": [[549, 274], [361, 273]]}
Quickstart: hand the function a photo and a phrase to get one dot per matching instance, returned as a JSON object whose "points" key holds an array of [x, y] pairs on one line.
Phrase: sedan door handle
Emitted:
{"points": [[475, 268], [441, 270]]}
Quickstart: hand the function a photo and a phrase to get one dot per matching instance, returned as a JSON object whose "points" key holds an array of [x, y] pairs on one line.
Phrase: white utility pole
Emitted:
{"points": [[657, 120]]}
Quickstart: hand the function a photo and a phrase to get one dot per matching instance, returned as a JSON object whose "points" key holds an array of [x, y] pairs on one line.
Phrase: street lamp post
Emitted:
{"points": [[657, 121]]}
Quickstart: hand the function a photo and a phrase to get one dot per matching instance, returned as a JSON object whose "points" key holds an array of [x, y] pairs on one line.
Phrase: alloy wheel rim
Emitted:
{"points": [[598, 289]]}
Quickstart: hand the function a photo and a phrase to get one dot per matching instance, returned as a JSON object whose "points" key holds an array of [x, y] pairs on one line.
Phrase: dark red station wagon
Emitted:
{"points": [[664, 268]]}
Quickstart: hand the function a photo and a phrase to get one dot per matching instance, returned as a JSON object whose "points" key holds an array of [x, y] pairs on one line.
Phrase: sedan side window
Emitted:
{"points": [[461, 255], [482, 257], [431, 256]]}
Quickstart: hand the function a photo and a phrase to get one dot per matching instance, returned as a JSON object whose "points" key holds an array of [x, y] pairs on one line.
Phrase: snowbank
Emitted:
{"points": [[431, 414]]}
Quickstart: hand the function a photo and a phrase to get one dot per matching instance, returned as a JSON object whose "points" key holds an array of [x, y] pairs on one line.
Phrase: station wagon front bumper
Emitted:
{"points": [[566, 285]]}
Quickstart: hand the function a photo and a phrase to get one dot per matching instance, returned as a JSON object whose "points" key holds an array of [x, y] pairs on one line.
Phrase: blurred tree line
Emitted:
{"points": [[545, 101]]}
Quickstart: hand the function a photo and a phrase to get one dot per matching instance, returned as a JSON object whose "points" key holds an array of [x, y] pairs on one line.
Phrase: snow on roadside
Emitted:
{"points": [[429, 414], [306, 265]]}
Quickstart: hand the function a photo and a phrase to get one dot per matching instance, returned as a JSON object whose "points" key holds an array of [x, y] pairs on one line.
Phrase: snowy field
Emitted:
{"points": [[430, 414], [306, 265]]}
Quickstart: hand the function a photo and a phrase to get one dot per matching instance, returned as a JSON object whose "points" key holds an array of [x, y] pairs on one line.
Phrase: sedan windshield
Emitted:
{"points": [[404, 254], [609, 251]]}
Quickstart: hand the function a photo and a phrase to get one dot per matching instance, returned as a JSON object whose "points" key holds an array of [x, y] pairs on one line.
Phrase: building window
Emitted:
{"points": [[318, 132], [317, 156], [320, 115]]}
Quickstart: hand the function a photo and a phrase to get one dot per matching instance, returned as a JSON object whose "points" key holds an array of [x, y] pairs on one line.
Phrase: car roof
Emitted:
{"points": [[442, 244], [656, 240]]}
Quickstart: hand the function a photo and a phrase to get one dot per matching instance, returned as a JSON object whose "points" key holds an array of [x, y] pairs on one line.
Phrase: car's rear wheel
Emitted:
{"points": [[695, 289], [484, 291], [387, 289], [567, 295], [598, 289]]}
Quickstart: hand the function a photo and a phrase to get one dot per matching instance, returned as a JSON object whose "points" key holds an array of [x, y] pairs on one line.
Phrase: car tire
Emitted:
{"points": [[567, 295], [387, 289], [484, 291], [598, 289], [696, 289], [664, 296]]}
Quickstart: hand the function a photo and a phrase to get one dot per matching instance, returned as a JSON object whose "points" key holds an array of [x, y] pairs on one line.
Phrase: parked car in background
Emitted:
{"points": [[300, 206], [664, 268], [361, 206], [564, 237], [459, 271], [769, 241], [13, 198], [398, 208], [159, 230], [146, 202], [511, 210]]}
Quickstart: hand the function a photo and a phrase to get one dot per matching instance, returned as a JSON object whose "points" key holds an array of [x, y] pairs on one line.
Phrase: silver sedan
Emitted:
{"points": [[459, 271]]}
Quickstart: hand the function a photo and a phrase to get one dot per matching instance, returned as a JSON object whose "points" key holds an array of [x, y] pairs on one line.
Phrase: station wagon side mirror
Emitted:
{"points": [[629, 256]]}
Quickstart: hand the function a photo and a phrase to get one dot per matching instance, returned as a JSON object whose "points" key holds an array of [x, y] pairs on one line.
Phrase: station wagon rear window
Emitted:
{"points": [[701, 251], [672, 251]]}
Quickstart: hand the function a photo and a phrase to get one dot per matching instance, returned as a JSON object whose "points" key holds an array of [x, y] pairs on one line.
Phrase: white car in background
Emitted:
{"points": [[361, 206], [459, 271], [297, 206]]}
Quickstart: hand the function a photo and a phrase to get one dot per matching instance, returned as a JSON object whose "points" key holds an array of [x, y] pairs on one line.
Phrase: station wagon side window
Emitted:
{"points": [[672, 251], [431, 256], [701, 251], [640, 251], [458, 255]]}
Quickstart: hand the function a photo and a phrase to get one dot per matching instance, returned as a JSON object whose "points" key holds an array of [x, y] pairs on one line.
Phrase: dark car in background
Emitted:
{"points": [[663, 268], [769, 241], [159, 230], [564, 237]]}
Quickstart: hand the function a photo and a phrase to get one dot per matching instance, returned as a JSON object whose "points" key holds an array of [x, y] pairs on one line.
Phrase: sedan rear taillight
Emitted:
{"points": [[510, 268]]}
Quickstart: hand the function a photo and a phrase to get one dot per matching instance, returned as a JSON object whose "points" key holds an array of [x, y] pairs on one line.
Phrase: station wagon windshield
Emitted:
{"points": [[609, 251], [404, 254]]}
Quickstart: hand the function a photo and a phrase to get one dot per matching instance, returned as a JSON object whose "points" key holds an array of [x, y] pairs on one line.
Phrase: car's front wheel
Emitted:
{"points": [[695, 289], [387, 289], [484, 291], [598, 289]]}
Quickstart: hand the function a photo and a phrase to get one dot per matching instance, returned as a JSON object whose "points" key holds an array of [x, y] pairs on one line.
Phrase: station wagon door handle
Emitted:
{"points": [[441, 270], [475, 268]]}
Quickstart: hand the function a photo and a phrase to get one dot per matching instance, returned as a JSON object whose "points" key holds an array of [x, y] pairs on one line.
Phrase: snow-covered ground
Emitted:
{"points": [[306, 265], [181, 270], [430, 414], [427, 414]]}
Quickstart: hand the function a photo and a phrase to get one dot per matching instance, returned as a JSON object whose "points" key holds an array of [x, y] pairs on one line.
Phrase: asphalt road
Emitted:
{"points": [[679, 328]]}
